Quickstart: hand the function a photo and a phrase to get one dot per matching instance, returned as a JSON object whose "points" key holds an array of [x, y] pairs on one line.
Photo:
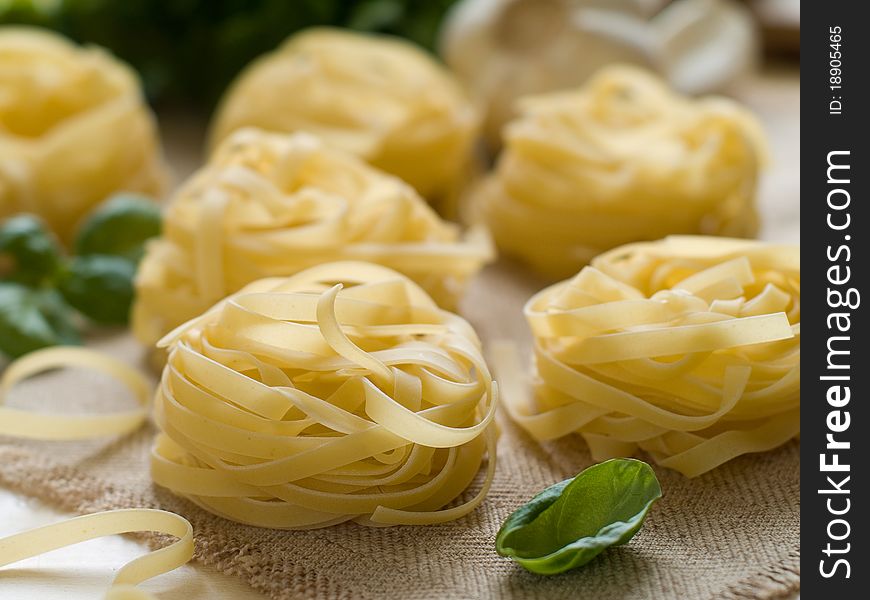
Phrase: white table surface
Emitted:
{"points": [[86, 570]]}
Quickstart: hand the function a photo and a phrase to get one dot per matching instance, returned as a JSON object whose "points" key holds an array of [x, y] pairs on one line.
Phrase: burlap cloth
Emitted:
{"points": [[733, 533]]}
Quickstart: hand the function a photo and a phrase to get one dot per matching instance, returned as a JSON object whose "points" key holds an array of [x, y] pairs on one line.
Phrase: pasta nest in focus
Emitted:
{"points": [[622, 159], [380, 98], [272, 205], [688, 348], [74, 128], [341, 393]]}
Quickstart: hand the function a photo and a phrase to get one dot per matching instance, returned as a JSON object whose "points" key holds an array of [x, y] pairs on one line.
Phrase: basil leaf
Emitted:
{"points": [[100, 287], [119, 227], [376, 15], [28, 251], [32, 319], [571, 522]]}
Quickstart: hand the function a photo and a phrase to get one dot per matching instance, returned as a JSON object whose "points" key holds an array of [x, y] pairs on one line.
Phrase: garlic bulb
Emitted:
{"points": [[377, 97], [74, 128], [620, 160], [505, 49]]}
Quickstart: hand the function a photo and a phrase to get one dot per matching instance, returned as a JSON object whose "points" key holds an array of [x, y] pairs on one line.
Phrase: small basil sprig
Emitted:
{"points": [[571, 522], [29, 253], [31, 319], [99, 286], [119, 227], [40, 285]]}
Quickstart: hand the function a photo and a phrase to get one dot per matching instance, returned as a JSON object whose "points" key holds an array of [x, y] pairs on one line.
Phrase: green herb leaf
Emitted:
{"points": [[570, 523], [376, 15], [29, 253], [32, 319], [120, 227], [100, 287]]}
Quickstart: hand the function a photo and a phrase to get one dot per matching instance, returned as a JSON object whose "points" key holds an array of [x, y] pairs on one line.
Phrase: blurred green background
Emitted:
{"points": [[189, 50]]}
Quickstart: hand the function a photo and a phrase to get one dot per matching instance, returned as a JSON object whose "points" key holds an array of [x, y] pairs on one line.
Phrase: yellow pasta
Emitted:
{"points": [[687, 348], [22, 423], [87, 527], [622, 159], [272, 205], [47, 426], [74, 128], [341, 393], [377, 97]]}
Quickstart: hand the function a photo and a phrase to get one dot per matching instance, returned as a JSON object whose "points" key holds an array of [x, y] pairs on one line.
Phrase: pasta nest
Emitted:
{"points": [[341, 393], [620, 160], [688, 348], [272, 205], [380, 98], [61, 110]]}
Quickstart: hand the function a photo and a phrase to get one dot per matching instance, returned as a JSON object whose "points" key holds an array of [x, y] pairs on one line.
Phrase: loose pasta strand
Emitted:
{"points": [[48, 426], [44, 539]]}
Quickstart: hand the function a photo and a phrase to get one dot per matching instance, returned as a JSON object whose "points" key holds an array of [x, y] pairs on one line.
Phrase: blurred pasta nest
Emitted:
{"points": [[620, 160], [343, 392], [272, 205], [380, 98], [688, 348], [74, 128]]}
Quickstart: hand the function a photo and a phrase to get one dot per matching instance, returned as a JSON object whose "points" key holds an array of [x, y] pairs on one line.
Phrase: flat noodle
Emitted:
{"points": [[46, 426], [61, 109], [638, 352], [271, 205], [341, 393], [621, 159], [87, 527]]}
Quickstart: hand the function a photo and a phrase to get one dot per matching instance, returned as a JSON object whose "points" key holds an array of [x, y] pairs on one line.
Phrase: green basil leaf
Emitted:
{"points": [[29, 253], [571, 522], [376, 15], [32, 319], [119, 227], [100, 287]]}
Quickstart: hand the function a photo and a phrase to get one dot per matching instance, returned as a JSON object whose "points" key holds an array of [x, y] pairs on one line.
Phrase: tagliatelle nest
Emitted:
{"points": [[377, 97], [300, 403], [688, 348], [622, 159], [74, 128], [272, 205]]}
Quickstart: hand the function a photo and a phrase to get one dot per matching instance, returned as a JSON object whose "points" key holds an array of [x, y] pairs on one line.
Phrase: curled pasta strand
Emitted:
{"points": [[47, 426], [44, 539]]}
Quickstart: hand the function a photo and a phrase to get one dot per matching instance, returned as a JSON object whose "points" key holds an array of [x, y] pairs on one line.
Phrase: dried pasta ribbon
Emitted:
{"points": [[341, 393], [48, 426], [270, 205], [687, 348], [622, 159], [377, 97], [44, 539], [61, 109]]}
